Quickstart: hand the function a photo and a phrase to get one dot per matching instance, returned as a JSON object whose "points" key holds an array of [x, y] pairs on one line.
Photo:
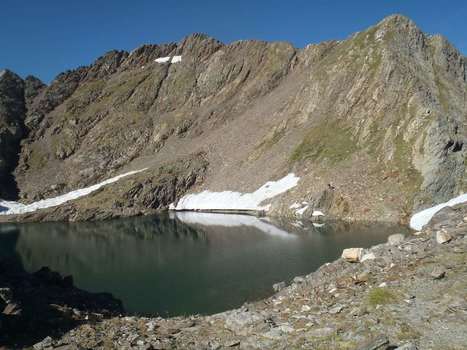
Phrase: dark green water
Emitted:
{"points": [[163, 265]]}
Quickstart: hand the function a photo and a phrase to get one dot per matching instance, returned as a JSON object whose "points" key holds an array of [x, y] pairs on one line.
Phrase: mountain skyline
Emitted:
{"points": [[85, 35]]}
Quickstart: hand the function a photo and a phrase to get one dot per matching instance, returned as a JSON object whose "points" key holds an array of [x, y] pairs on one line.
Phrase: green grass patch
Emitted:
{"points": [[381, 296], [406, 332], [325, 141], [273, 137]]}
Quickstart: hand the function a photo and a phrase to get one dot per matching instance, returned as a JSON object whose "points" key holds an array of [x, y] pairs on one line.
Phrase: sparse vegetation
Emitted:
{"points": [[381, 296], [408, 333], [325, 141]]}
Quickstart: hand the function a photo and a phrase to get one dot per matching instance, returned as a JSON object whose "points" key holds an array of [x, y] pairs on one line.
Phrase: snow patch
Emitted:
{"points": [[420, 219], [228, 200], [174, 59], [229, 220], [301, 210], [162, 59], [18, 208]]}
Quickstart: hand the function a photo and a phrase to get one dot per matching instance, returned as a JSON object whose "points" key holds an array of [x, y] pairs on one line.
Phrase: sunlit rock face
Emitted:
{"points": [[374, 126]]}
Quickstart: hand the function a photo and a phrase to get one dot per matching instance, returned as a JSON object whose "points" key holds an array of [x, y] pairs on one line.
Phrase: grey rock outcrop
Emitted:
{"points": [[32, 88]]}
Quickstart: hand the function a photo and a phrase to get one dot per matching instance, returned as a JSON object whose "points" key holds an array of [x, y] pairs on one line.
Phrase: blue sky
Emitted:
{"points": [[46, 37]]}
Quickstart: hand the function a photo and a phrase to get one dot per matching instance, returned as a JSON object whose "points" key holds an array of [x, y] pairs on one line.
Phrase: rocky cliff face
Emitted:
{"points": [[374, 125], [12, 114]]}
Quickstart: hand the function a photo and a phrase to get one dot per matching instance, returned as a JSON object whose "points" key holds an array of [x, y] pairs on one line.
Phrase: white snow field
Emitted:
{"points": [[420, 219], [162, 59], [18, 208], [174, 59], [228, 220], [229, 200]]}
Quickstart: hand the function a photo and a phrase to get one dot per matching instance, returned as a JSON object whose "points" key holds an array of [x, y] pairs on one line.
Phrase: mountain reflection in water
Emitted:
{"points": [[184, 263]]}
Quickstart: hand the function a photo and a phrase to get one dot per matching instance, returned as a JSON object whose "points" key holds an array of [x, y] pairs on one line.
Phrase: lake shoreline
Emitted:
{"points": [[399, 296]]}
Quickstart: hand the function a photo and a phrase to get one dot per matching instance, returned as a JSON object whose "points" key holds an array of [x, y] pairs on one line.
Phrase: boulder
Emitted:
{"points": [[239, 321], [12, 309], [443, 237], [277, 287], [46, 343], [438, 273], [396, 239], [6, 295], [352, 254], [368, 256], [336, 309], [299, 280], [408, 346], [379, 343], [361, 278]]}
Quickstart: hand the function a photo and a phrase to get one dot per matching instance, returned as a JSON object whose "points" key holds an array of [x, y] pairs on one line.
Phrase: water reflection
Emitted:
{"points": [[185, 264], [226, 220]]}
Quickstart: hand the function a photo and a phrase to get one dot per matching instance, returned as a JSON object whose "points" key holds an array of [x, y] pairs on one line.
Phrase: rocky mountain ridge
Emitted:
{"points": [[374, 125]]}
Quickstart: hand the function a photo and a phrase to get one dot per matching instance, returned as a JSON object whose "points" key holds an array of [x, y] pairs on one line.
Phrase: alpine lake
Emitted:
{"points": [[184, 263]]}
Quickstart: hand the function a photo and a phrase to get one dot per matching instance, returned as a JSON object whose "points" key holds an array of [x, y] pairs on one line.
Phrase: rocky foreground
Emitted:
{"points": [[410, 293], [45, 304]]}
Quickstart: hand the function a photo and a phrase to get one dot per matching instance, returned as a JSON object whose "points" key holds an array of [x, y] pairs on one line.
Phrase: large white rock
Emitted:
{"points": [[352, 254]]}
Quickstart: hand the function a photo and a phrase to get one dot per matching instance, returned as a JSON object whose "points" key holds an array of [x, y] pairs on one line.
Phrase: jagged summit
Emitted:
{"points": [[397, 19], [399, 28], [6, 73]]}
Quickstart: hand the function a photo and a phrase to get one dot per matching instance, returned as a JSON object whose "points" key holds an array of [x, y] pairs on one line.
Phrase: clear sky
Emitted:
{"points": [[46, 37]]}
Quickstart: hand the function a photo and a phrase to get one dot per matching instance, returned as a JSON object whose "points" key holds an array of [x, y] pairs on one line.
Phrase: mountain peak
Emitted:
{"points": [[197, 36], [198, 45], [400, 24], [397, 19], [34, 79], [8, 74]]}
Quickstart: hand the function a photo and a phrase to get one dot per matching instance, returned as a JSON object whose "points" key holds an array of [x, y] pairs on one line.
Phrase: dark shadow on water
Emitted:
{"points": [[170, 266], [40, 304]]}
